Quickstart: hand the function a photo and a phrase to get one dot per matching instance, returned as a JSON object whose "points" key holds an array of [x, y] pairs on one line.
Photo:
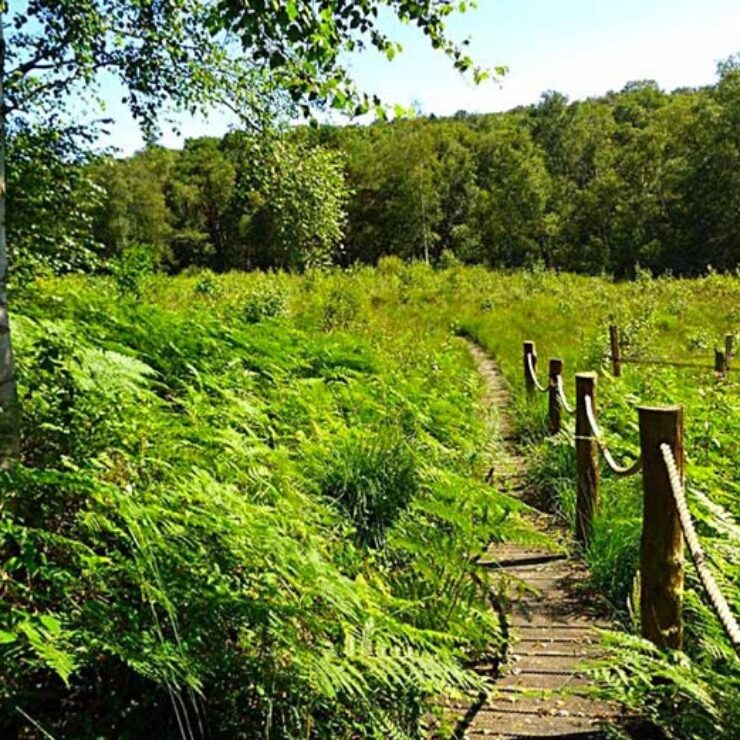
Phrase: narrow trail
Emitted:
{"points": [[538, 691]]}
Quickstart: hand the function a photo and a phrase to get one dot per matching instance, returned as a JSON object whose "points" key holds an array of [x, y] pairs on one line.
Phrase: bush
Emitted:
{"points": [[341, 309], [264, 302], [134, 264], [207, 284], [391, 265], [447, 260]]}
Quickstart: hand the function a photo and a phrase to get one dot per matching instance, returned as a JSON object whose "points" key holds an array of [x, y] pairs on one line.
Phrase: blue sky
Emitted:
{"points": [[579, 47]]}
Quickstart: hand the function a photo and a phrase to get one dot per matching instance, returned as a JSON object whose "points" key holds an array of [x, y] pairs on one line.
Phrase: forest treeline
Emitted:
{"points": [[637, 177]]}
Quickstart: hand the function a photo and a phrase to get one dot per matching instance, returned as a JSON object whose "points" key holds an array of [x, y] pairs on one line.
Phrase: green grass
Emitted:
{"points": [[251, 502]]}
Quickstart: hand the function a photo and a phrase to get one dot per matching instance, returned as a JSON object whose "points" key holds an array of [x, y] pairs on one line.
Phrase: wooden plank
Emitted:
{"points": [[579, 706], [534, 724], [545, 601], [547, 663], [527, 639], [544, 619], [565, 565], [512, 548], [565, 582], [544, 705], [527, 680], [556, 573], [574, 649], [518, 558]]}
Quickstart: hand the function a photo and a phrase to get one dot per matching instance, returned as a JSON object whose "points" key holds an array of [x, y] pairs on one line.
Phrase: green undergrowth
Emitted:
{"points": [[250, 505], [243, 510]]}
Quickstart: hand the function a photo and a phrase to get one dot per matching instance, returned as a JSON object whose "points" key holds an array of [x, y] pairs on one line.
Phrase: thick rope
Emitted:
{"points": [[533, 377], [717, 600], [619, 470], [561, 396]]}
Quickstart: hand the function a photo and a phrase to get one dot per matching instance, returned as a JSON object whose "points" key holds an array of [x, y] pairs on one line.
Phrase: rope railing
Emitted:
{"points": [[667, 362], [533, 375], [716, 598], [722, 357], [562, 397], [621, 471], [666, 521]]}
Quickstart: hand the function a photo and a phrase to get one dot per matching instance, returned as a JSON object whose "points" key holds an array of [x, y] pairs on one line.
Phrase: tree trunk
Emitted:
{"points": [[9, 411]]}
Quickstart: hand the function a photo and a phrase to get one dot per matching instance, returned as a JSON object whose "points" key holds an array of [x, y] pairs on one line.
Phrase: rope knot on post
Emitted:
{"points": [[530, 370]]}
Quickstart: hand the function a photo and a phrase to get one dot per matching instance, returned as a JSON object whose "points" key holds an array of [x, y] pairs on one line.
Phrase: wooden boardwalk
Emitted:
{"points": [[541, 691]]}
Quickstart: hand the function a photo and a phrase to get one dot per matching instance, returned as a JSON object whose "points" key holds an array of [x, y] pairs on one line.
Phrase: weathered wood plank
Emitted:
{"points": [[549, 663], [535, 724]]}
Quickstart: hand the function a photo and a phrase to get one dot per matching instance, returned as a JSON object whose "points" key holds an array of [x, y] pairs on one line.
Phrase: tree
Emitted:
{"points": [[303, 42], [710, 177], [52, 201], [190, 54], [205, 179], [514, 190], [304, 206], [135, 208], [549, 122], [458, 188], [394, 173]]}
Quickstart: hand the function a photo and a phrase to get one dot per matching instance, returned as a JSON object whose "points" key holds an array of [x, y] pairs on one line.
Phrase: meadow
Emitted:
{"points": [[250, 504]]}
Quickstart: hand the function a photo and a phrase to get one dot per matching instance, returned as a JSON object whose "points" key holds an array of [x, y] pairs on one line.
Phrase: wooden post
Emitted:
{"points": [[587, 460], [729, 348], [720, 362], [530, 351], [661, 549], [554, 411], [616, 351]]}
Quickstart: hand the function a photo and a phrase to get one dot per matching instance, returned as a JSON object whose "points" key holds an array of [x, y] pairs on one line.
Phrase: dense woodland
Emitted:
{"points": [[640, 177]]}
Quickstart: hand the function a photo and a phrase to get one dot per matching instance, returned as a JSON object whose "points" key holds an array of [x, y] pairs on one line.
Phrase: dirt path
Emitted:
{"points": [[540, 689]]}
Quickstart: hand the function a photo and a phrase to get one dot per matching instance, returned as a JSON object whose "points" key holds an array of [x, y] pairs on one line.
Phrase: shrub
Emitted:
{"points": [[135, 263], [341, 309], [264, 302], [391, 265], [206, 285], [447, 260]]}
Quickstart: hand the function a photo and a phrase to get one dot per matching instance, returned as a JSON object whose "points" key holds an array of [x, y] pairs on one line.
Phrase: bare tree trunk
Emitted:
{"points": [[9, 410]]}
